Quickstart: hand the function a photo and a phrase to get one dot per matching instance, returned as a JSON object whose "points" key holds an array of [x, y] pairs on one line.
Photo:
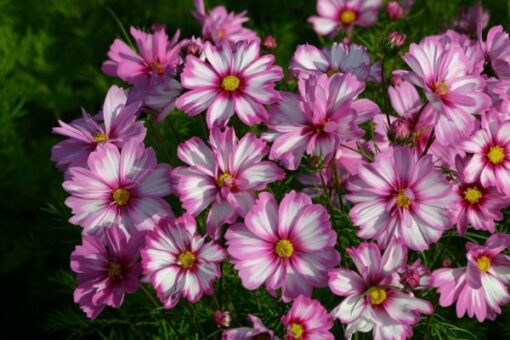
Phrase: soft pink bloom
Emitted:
{"points": [[222, 319], [326, 114], [440, 67], [394, 10], [115, 124], [107, 268], [289, 247], [490, 146], [220, 26], [476, 205], [224, 176], [339, 58], [416, 276], [481, 288], [497, 51], [374, 300], [307, 319], [119, 187], [258, 331], [401, 196], [232, 79], [179, 263], [336, 15]]}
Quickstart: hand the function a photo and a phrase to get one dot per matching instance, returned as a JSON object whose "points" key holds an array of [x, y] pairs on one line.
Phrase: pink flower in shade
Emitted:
{"points": [[116, 124], [307, 320], [179, 262], [258, 331], [233, 79], [476, 205], [220, 26], [481, 288], [416, 276], [472, 17], [119, 187], [499, 91], [326, 114], [401, 196], [374, 297], [107, 268], [454, 93], [161, 97], [497, 51], [490, 163], [336, 15], [290, 247], [339, 58], [225, 177]]}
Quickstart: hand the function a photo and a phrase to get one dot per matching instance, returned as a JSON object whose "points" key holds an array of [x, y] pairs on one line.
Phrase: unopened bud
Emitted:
{"points": [[270, 42], [396, 80], [394, 10], [222, 319], [395, 40]]}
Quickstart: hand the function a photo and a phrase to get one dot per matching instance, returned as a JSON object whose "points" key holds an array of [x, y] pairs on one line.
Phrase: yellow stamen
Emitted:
{"points": [[221, 34], [473, 195], [186, 259], [332, 72], [496, 154], [230, 83], [100, 137], [347, 17], [225, 180], [156, 66], [403, 201], [297, 330], [484, 263], [121, 196], [115, 270], [377, 296], [284, 248], [440, 88]]}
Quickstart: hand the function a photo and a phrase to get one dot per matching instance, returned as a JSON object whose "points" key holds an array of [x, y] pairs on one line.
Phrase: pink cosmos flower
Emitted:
{"points": [[416, 276], [394, 10], [326, 114], [116, 124], [336, 15], [232, 79], [441, 69], [481, 287], [161, 97], [476, 205], [307, 320], [472, 17], [401, 196], [497, 51], [179, 262], [258, 331], [499, 91], [107, 268], [374, 299], [490, 146], [339, 58], [119, 187], [224, 176], [290, 247], [220, 26]]}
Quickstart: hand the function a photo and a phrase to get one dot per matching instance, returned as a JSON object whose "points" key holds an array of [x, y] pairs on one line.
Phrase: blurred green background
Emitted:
{"points": [[50, 57]]}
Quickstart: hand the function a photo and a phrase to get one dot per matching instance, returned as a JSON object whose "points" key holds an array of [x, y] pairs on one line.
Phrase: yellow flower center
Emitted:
{"points": [[115, 270], [496, 154], [121, 196], [402, 200], [484, 263], [100, 137], [225, 180], [440, 88], [284, 248], [473, 195], [332, 72], [297, 330], [377, 296], [186, 259], [221, 34], [230, 83], [347, 17], [156, 66]]}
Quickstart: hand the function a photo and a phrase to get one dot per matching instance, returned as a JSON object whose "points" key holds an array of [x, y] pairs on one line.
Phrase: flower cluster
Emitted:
{"points": [[288, 176]]}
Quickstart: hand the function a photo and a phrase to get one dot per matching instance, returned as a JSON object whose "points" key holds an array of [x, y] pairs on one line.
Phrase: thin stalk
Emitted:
{"points": [[384, 92], [161, 144]]}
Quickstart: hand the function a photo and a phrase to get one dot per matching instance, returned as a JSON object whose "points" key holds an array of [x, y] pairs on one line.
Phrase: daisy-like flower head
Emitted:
{"points": [[307, 319], [116, 124], [401, 196], [106, 268], [374, 298], [289, 247], [339, 58], [497, 51], [258, 331], [179, 262], [224, 176], [481, 288], [336, 15], [231, 79], [325, 114], [120, 186]]}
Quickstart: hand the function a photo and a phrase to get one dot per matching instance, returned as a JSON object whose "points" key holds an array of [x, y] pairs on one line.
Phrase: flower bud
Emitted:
{"points": [[395, 40], [400, 130], [446, 262], [270, 42], [396, 80], [394, 10], [222, 319]]}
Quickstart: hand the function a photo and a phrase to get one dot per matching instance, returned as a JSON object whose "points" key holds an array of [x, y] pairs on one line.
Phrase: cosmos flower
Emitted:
{"points": [[106, 268], [161, 97], [400, 196], [119, 187], [115, 124], [497, 51], [336, 15], [224, 176], [373, 298], [179, 263], [258, 331], [481, 288], [307, 319], [290, 247], [233, 79]]}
